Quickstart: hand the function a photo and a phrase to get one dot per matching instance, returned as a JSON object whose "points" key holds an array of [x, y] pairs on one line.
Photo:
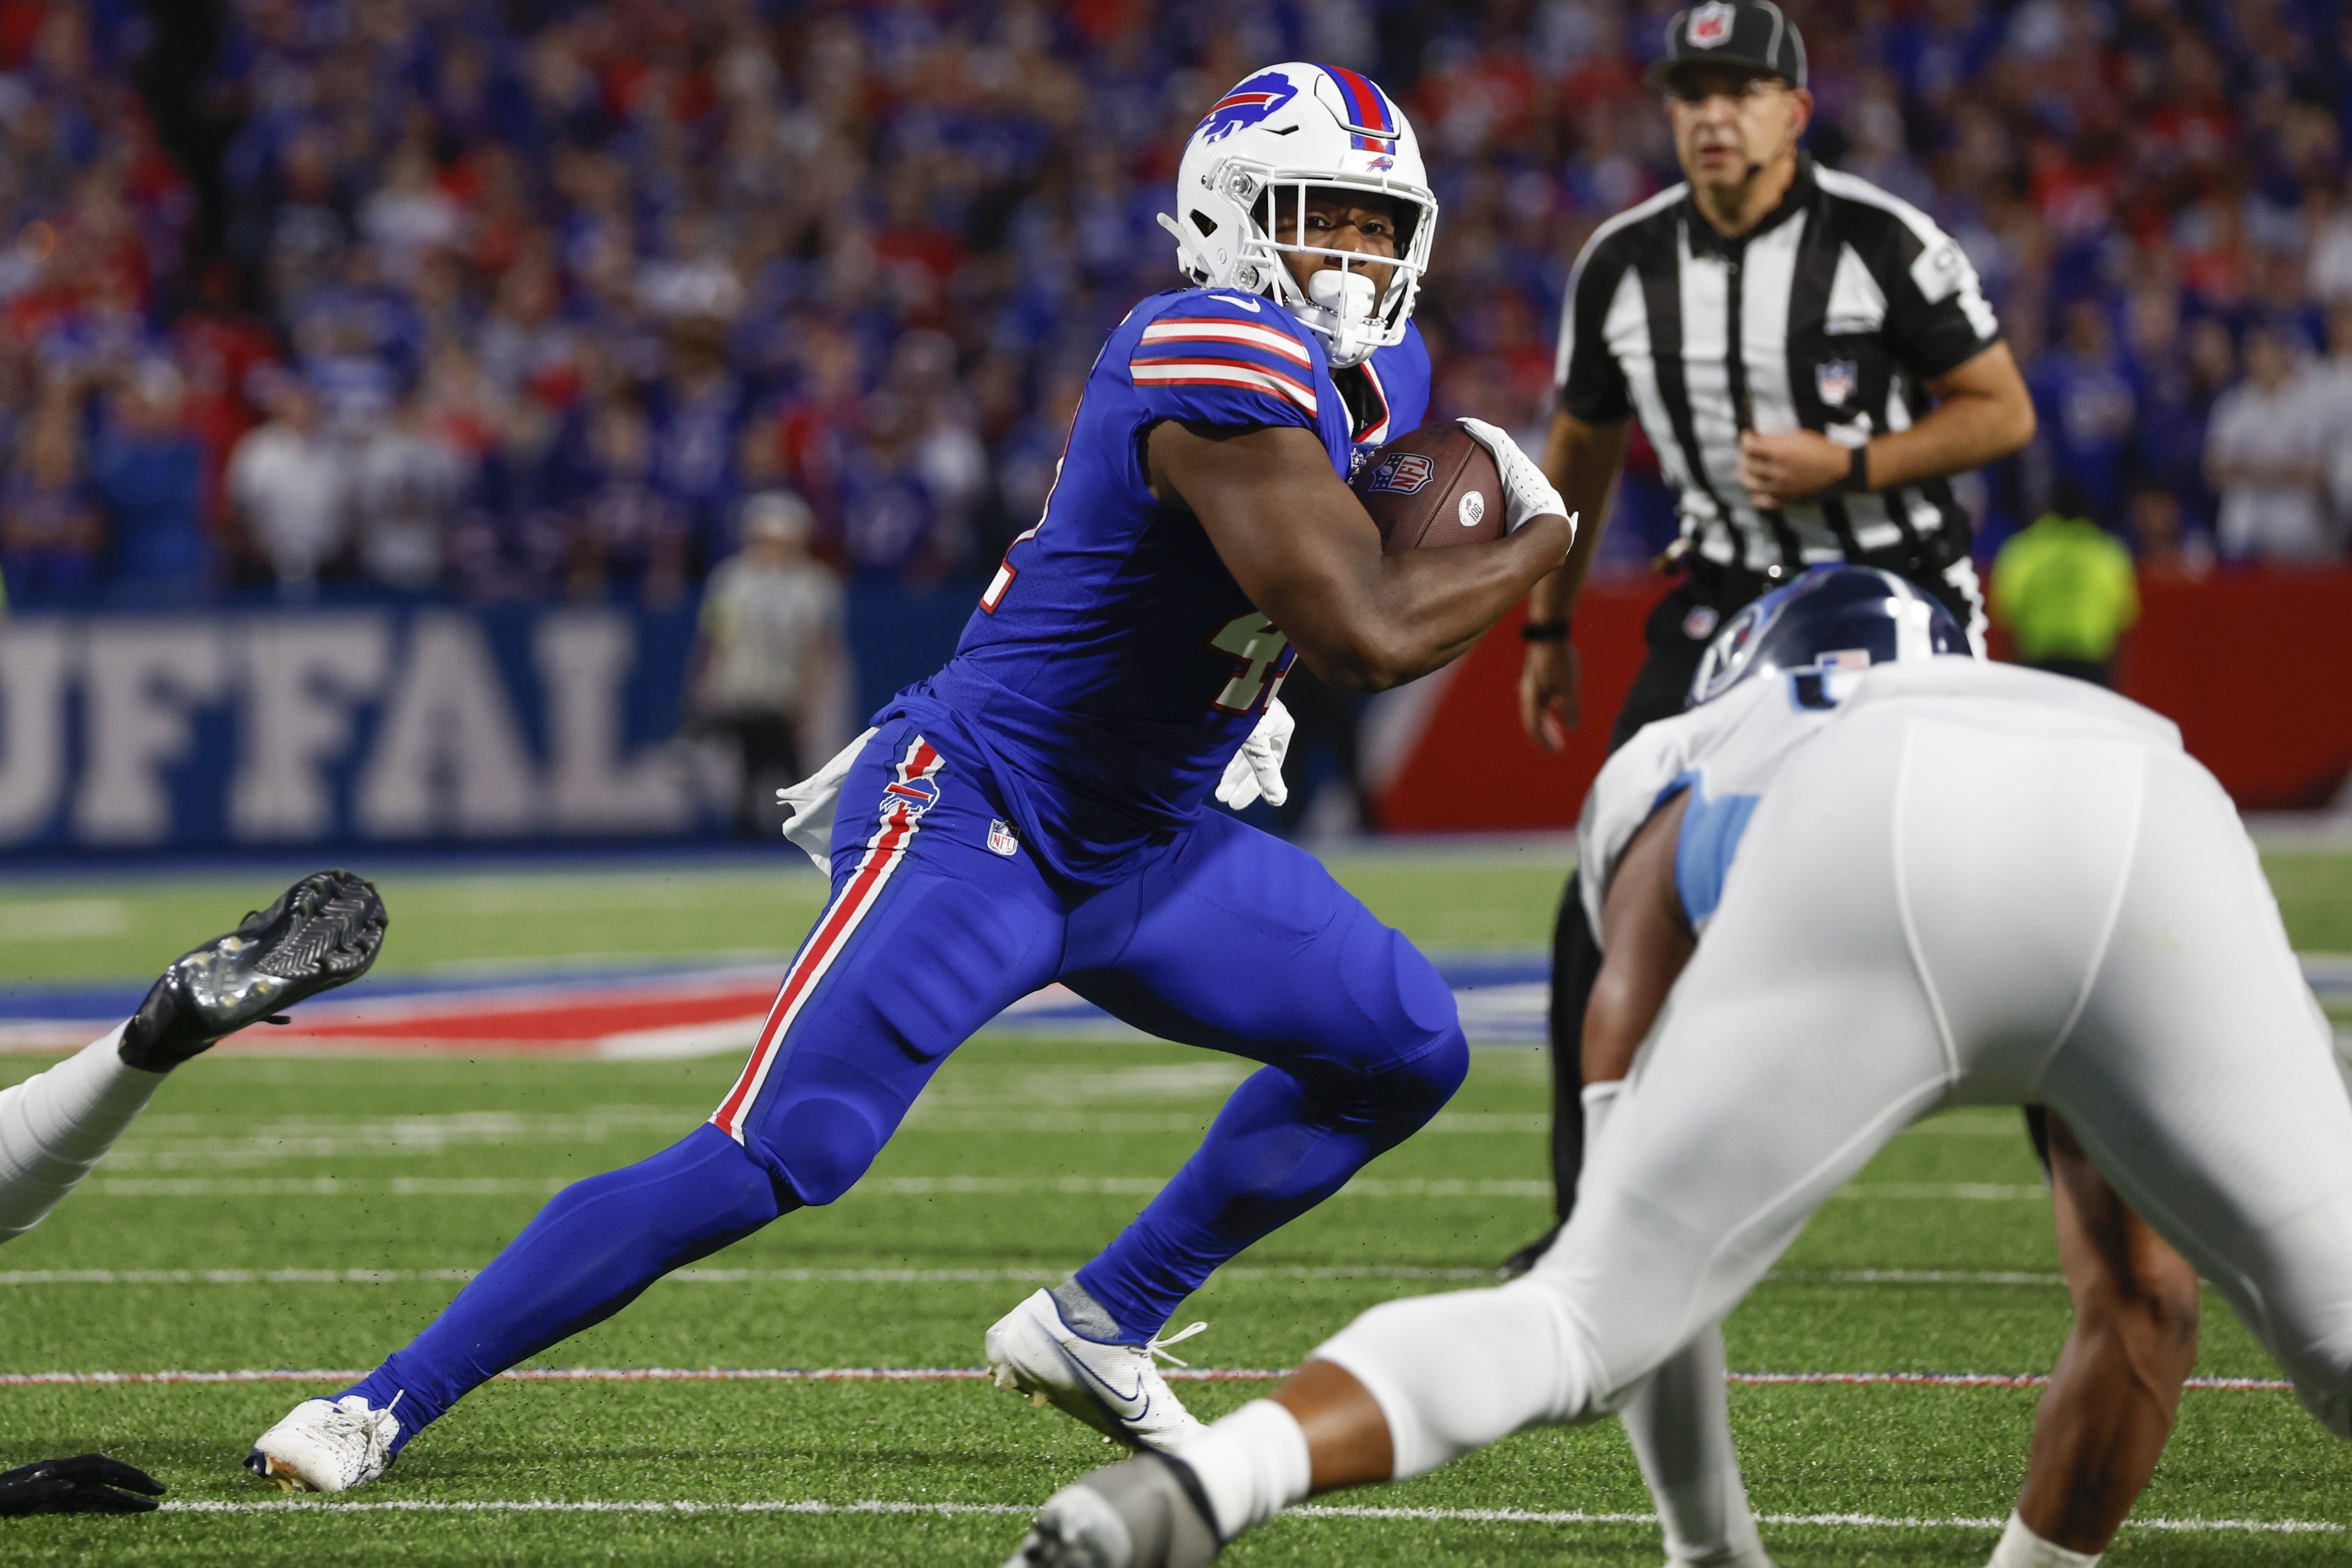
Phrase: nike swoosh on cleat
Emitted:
{"points": [[1122, 1407]]}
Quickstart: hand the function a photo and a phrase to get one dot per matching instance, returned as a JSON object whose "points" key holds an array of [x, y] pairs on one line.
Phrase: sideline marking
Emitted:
{"points": [[975, 1373], [1312, 1510]]}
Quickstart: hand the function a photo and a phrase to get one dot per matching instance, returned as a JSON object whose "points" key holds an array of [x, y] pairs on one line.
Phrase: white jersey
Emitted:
{"points": [[1727, 751]]}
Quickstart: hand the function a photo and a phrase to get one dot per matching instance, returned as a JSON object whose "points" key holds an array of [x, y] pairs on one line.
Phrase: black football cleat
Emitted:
{"points": [[324, 932]]}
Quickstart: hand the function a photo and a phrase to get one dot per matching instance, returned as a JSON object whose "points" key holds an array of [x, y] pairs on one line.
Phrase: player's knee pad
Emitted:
{"points": [[819, 1144], [1416, 1090]]}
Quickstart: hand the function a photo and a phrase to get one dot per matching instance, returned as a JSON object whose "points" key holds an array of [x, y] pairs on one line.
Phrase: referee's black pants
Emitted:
{"points": [[1677, 633]]}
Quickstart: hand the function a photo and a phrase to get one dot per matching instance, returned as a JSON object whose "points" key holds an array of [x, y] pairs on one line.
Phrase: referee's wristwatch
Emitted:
{"points": [[1858, 471]]}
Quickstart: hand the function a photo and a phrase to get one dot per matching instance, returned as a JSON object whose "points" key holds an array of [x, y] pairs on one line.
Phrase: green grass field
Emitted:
{"points": [[165, 1261]]}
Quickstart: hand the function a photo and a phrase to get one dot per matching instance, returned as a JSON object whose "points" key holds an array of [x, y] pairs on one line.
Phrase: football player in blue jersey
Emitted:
{"points": [[1038, 810]]}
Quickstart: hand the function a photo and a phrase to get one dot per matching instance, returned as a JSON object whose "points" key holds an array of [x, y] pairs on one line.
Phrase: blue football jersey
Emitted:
{"points": [[1114, 664]]}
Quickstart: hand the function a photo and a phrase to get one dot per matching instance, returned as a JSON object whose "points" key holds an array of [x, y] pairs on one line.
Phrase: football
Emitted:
{"points": [[1431, 487]]}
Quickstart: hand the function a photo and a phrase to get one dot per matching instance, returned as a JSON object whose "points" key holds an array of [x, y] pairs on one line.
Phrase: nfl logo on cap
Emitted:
{"points": [[1710, 24]]}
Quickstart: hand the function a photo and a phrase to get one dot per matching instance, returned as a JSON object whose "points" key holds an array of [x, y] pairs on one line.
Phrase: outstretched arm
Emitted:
{"points": [[1309, 555]]}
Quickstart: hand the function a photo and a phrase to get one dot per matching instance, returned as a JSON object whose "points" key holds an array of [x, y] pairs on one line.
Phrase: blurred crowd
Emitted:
{"points": [[530, 301]]}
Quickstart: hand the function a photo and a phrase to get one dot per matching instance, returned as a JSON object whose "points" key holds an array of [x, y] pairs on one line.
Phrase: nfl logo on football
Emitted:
{"points": [[1401, 473], [1710, 26]]}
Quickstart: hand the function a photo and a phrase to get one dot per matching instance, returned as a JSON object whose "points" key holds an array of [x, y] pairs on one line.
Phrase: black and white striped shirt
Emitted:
{"points": [[1843, 302]]}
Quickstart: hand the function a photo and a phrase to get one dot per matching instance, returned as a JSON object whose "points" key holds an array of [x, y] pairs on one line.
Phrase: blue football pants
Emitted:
{"points": [[1224, 937]]}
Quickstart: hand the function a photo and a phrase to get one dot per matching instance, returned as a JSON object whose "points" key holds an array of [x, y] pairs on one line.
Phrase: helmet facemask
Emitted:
{"points": [[1352, 313]]}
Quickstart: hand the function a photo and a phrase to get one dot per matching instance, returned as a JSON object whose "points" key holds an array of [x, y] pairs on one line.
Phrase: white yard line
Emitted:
{"points": [[1231, 1273], [1434, 1515], [953, 1186], [974, 1374]]}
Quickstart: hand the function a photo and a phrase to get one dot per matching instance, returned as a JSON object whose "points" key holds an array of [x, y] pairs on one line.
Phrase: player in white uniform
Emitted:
{"points": [[1965, 883], [323, 932]]}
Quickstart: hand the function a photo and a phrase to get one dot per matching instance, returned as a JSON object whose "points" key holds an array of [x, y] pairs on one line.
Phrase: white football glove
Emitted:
{"points": [[1256, 769], [1525, 492]]}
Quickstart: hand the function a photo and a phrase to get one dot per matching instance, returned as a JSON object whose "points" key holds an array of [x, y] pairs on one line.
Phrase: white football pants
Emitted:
{"points": [[1937, 903]]}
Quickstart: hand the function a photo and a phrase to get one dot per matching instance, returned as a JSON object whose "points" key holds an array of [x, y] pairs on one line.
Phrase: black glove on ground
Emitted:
{"points": [[88, 1484]]}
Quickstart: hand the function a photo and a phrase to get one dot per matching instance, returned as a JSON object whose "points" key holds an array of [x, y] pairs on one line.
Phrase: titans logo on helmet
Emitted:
{"points": [[1247, 104]]}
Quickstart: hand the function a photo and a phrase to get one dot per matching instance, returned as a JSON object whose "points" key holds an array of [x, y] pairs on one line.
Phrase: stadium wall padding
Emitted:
{"points": [[2251, 665], [366, 724], [442, 726]]}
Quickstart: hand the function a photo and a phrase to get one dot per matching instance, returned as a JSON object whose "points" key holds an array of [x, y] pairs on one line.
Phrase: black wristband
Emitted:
{"points": [[1544, 630], [1857, 472]]}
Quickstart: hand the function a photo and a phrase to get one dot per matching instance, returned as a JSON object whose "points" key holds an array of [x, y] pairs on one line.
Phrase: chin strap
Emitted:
{"points": [[1351, 298]]}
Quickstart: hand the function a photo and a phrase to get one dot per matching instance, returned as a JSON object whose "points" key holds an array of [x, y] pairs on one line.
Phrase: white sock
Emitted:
{"points": [[2020, 1548], [57, 1125], [1680, 1426], [1253, 1465]]}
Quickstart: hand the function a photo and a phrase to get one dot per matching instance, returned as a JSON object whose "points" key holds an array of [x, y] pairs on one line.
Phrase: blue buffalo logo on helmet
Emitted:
{"points": [[1247, 104], [1400, 474], [908, 798]]}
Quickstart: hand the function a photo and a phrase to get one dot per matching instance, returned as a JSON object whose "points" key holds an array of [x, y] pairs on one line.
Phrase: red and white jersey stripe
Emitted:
{"points": [[1225, 373], [1215, 330], [904, 803], [1217, 349]]}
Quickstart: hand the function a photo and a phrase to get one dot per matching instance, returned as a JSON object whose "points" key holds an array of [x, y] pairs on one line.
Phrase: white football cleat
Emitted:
{"points": [[326, 1446], [1117, 1389]]}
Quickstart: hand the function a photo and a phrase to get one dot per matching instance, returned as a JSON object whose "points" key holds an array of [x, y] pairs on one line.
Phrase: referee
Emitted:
{"points": [[1811, 358]]}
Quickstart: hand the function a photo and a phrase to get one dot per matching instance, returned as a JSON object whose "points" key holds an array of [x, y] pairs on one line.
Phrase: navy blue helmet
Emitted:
{"points": [[1833, 618]]}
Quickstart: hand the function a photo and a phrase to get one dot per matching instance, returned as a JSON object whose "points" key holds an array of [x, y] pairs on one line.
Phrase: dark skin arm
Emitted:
{"points": [[1309, 555], [1646, 940], [1582, 460]]}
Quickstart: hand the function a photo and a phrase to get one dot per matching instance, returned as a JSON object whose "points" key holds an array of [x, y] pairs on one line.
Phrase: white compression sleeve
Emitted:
{"points": [[1679, 1424], [2020, 1548], [1253, 1465], [57, 1125]]}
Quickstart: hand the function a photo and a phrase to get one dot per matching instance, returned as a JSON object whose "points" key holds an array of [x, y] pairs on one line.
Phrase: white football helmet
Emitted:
{"points": [[1281, 132]]}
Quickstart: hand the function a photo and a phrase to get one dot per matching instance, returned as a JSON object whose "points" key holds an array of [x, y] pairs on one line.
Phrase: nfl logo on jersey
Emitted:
{"points": [[1835, 381], [1400, 474], [1002, 840]]}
